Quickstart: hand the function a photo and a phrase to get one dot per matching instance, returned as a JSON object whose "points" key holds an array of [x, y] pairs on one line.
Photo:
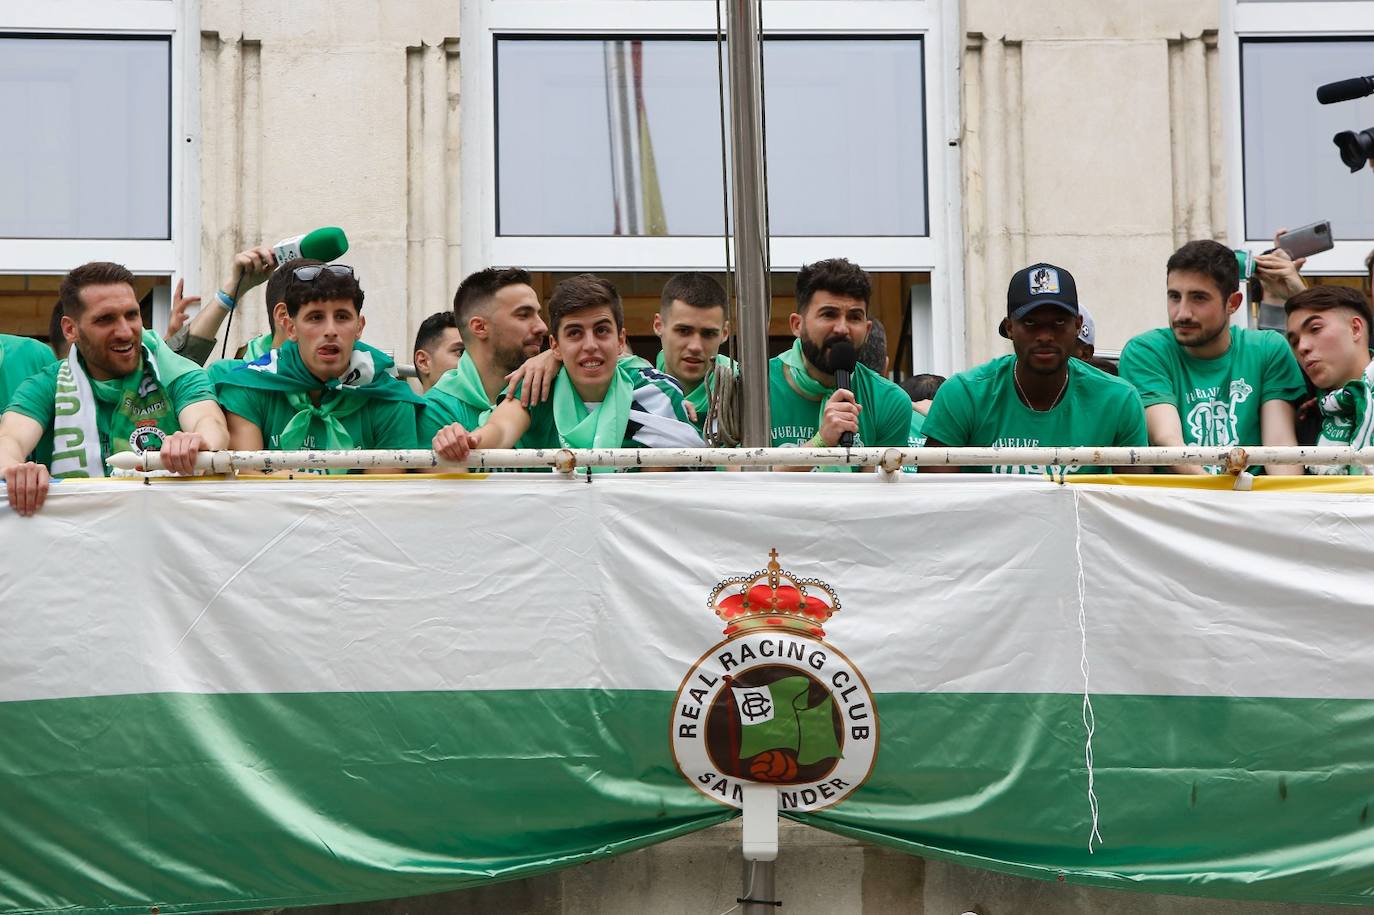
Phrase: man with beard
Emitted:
{"points": [[119, 389], [1039, 397], [1328, 329], [806, 408], [1203, 381], [598, 401], [498, 318]]}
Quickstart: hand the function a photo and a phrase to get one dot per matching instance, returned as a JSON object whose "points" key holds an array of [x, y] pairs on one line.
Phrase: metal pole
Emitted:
{"points": [[751, 225], [758, 884]]}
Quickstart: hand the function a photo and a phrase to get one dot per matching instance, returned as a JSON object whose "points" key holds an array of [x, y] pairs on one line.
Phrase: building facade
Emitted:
{"points": [[942, 144]]}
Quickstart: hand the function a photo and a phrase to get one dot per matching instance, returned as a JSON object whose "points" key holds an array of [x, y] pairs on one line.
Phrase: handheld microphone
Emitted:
{"points": [[1345, 90], [842, 360], [324, 244]]}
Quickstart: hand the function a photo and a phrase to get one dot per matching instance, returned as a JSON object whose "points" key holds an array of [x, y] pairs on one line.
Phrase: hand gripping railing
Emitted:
{"points": [[565, 460]]}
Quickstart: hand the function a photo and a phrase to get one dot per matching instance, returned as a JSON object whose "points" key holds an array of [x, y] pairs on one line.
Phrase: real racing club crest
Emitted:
{"points": [[774, 703]]}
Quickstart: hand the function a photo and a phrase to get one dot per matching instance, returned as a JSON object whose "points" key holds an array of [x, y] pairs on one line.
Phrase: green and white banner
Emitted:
{"points": [[219, 695]]}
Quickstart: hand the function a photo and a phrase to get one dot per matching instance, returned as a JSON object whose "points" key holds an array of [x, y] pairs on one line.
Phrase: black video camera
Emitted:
{"points": [[1357, 147]]}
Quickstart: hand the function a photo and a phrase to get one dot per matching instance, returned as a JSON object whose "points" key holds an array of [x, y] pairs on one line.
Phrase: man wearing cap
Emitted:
{"points": [[1039, 397], [1204, 382]]}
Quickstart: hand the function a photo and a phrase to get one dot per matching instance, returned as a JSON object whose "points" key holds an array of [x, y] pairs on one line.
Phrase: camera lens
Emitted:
{"points": [[1356, 148]]}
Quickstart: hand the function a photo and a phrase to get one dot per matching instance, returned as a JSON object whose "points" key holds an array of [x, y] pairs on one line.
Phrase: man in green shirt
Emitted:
{"points": [[1039, 397], [438, 348], [597, 402], [498, 317], [1203, 381], [20, 357], [1328, 328], [120, 389], [691, 325], [322, 388], [805, 407]]}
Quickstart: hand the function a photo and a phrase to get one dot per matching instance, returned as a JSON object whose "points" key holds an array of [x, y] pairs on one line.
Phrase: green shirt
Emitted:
{"points": [[980, 409], [884, 422], [36, 398], [379, 424], [654, 393], [1218, 400], [21, 357], [915, 437], [442, 408]]}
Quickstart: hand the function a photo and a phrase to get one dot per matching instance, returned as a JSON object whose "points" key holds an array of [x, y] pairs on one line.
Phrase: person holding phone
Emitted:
{"points": [[1203, 381]]}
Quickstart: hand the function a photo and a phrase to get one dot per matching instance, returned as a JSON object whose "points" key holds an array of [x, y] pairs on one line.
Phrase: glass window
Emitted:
{"points": [[1293, 172], [622, 137], [87, 152]]}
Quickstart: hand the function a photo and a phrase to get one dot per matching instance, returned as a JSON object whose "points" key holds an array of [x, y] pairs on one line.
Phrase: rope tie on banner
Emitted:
{"points": [[1089, 720]]}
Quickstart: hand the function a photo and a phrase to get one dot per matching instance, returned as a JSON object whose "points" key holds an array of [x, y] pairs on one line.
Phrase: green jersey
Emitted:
{"points": [[36, 399], [915, 437], [1218, 400], [884, 421], [980, 408], [650, 414], [21, 357], [381, 424]]}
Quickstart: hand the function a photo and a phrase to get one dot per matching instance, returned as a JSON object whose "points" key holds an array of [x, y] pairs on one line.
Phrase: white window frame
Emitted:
{"points": [[936, 21], [178, 20], [1297, 19]]}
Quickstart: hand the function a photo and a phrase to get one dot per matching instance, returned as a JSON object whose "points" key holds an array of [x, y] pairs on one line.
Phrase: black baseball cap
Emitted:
{"points": [[1040, 284]]}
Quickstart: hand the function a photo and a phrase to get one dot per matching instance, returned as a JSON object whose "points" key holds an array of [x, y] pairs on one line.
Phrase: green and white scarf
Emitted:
{"points": [[370, 376], [465, 384], [257, 348], [579, 427], [700, 397], [143, 411], [1347, 421]]}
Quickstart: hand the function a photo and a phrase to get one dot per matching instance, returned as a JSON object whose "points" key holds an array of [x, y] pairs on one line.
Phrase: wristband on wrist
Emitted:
{"points": [[817, 442], [225, 300]]}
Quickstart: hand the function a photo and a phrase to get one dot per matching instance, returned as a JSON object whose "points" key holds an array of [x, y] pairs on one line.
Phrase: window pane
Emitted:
{"points": [[622, 137], [94, 118], [1293, 172]]}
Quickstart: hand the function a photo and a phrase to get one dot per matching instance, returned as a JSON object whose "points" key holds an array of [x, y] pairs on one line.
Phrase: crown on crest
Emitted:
{"points": [[773, 598]]}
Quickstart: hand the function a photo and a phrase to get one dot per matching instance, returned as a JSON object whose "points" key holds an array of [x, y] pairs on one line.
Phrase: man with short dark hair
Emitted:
{"points": [[806, 407], [1203, 381], [438, 347], [874, 351], [1041, 396], [1328, 329], [921, 389], [597, 402], [691, 325], [497, 313], [322, 388], [120, 389]]}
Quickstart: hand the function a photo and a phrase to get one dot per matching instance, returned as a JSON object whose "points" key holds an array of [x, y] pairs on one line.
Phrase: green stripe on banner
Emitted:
{"points": [[200, 803], [205, 802]]}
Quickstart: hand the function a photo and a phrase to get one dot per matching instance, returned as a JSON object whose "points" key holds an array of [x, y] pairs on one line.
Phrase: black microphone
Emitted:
{"points": [[842, 360], [1346, 89]]}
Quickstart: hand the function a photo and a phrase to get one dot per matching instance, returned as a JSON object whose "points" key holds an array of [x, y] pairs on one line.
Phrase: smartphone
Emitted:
{"points": [[1308, 240]]}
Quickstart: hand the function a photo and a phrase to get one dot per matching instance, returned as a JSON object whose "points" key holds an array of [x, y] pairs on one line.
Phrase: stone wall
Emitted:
{"points": [[1093, 140], [335, 112]]}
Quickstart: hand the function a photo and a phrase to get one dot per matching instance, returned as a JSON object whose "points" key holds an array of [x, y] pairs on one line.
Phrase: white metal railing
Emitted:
{"points": [[565, 460]]}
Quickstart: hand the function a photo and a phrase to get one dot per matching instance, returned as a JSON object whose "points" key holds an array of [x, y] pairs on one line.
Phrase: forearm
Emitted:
{"points": [[1277, 430], [208, 320], [213, 430], [10, 452]]}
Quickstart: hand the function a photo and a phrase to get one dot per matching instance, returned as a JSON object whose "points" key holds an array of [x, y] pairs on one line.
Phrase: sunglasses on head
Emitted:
{"points": [[311, 272]]}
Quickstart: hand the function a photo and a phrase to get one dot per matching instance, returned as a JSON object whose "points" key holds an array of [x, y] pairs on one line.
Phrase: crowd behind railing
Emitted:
{"points": [[501, 370]]}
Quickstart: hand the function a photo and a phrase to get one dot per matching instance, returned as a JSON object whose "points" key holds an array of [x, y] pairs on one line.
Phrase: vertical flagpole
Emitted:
{"points": [[754, 296], [751, 223]]}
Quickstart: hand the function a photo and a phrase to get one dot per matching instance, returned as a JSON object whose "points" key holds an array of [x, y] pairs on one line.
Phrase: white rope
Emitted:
{"points": [[564, 460], [1089, 719]]}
